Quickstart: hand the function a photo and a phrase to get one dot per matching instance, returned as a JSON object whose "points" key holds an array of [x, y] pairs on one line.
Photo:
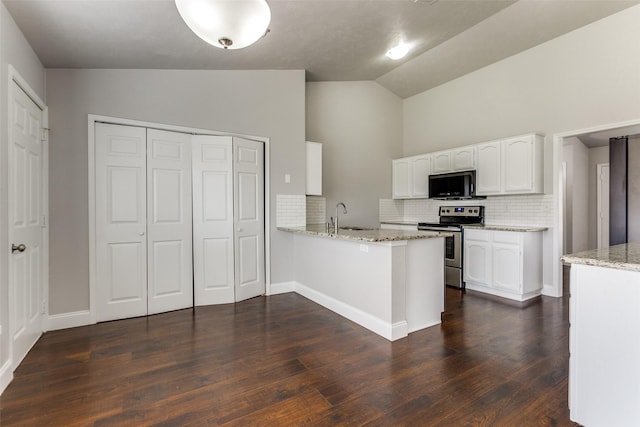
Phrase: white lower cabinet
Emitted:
{"points": [[503, 263]]}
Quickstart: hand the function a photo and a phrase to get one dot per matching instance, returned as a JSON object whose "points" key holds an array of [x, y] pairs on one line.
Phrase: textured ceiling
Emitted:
{"points": [[333, 40]]}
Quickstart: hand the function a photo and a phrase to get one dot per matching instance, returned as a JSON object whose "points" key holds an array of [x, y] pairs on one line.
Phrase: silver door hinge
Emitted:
{"points": [[43, 309], [44, 221], [44, 137]]}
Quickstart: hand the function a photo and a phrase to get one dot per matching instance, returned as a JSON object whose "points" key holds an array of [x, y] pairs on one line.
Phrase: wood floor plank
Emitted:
{"points": [[284, 360]]}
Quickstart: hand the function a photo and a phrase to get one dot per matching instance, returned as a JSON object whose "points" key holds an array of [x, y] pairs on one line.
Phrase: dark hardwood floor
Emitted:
{"points": [[284, 361]]}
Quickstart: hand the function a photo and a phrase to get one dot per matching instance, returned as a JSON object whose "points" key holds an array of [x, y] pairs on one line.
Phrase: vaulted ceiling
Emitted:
{"points": [[333, 40]]}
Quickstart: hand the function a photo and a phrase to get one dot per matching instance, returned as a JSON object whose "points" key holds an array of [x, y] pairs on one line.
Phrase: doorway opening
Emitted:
{"points": [[581, 182]]}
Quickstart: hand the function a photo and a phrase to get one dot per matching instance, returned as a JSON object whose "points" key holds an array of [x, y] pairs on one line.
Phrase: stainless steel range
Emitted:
{"points": [[453, 219]]}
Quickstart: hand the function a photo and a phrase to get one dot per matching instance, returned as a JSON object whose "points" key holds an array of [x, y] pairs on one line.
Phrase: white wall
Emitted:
{"points": [[261, 103], [360, 127], [597, 155], [585, 78], [14, 50]]}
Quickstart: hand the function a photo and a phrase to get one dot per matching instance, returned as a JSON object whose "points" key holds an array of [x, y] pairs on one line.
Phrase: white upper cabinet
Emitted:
{"points": [[489, 172], [463, 158], [458, 159], [441, 162], [510, 166], [314, 168], [522, 164], [411, 177], [420, 170]]}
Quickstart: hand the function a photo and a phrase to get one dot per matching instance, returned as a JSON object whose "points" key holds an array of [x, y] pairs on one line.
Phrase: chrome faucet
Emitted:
{"points": [[344, 211]]}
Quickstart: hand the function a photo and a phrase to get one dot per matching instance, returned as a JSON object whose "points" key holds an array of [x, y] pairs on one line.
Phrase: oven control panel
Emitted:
{"points": [[468, 211]]}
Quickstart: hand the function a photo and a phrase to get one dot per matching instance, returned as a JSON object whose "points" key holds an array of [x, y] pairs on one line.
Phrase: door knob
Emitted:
{"points": [[240, 230], [20, 248], [141, 233]]}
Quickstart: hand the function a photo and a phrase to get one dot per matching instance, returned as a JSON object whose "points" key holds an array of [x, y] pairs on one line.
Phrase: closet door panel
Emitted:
{"points": [[170, 284], [213, 219], [249, 218], [121, 219]]}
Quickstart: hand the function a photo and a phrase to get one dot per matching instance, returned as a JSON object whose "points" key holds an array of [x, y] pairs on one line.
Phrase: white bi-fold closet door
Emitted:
{"points": [[176, 213], [228, 219], [143, 221]]}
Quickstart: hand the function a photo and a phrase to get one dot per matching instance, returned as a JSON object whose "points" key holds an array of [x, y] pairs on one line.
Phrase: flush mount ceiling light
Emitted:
{"points": [[227, 24], [399, 51]]}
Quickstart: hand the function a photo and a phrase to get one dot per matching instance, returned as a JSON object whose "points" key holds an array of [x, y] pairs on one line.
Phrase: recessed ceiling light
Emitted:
{"points": [[399, 51]]}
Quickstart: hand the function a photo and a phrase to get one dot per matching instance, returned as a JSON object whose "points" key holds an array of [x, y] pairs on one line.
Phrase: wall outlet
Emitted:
{"points": [[287, 178]]}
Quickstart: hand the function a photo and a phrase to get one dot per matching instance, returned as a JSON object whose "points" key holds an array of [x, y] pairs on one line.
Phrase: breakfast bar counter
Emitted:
{"points": [[388, 281], [604, 344]]}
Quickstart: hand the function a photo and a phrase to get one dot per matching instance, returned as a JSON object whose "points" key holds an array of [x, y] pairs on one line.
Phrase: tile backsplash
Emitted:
{"points": [[528, 210], [291, 210], [316, 210]]}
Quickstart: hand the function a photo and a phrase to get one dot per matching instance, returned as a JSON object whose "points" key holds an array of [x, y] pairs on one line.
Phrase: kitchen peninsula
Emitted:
{"points": [[604, 345], [388, 281]]}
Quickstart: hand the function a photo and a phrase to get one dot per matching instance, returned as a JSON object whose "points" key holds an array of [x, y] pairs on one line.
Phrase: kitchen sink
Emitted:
{"points": [[353, 228]]}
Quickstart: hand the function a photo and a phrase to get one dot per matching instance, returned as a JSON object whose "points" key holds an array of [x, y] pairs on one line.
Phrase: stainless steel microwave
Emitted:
{"points": [[457, 185]]}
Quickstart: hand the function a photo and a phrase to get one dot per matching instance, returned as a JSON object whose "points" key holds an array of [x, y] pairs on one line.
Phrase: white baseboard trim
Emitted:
{"points": [[387, 330], [550, 291], [282, 288], [69, 320], [6, 375]]}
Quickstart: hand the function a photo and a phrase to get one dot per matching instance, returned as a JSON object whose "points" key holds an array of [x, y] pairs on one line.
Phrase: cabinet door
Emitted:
{"points": [[477, 257], [420, 169], [441, 162], [488, 173], [314, 168], [400, 171], [507, 261], [518, 160], [464, 158]]}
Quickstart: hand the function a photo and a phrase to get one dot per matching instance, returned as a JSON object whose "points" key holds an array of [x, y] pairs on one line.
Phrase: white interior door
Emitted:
{"points": [[249, 218], [213, 253], [169, 242], [121, 221], [25, 223], [603, 205]]}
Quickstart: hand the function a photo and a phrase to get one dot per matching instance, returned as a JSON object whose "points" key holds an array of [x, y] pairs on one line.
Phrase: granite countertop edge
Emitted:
{"points": [[516, 228], [374, 235], [620, 257]]}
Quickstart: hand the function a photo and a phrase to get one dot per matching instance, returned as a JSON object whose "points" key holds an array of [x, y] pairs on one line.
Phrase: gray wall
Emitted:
{"points": [[360, 127], [586, 78], [260, 103], [14, 50]]}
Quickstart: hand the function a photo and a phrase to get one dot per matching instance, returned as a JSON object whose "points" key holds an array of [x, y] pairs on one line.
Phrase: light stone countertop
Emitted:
{"points": [[621, 257], [516, 228], [415, 223], [372, 235]]}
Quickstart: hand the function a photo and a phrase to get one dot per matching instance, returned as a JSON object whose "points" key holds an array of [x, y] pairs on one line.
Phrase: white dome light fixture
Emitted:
{"points": [[227, 24], [399, 51]]}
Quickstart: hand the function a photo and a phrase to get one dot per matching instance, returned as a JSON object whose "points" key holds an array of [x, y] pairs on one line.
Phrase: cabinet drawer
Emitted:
{"points": [[474, 234], [507, 237]]}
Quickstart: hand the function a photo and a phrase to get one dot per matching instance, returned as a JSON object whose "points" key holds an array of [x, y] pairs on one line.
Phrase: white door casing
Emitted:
{"points": [[603, 205], [169, 233], [26, 222], [121, 221], [213, 245], [249, 218]]}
